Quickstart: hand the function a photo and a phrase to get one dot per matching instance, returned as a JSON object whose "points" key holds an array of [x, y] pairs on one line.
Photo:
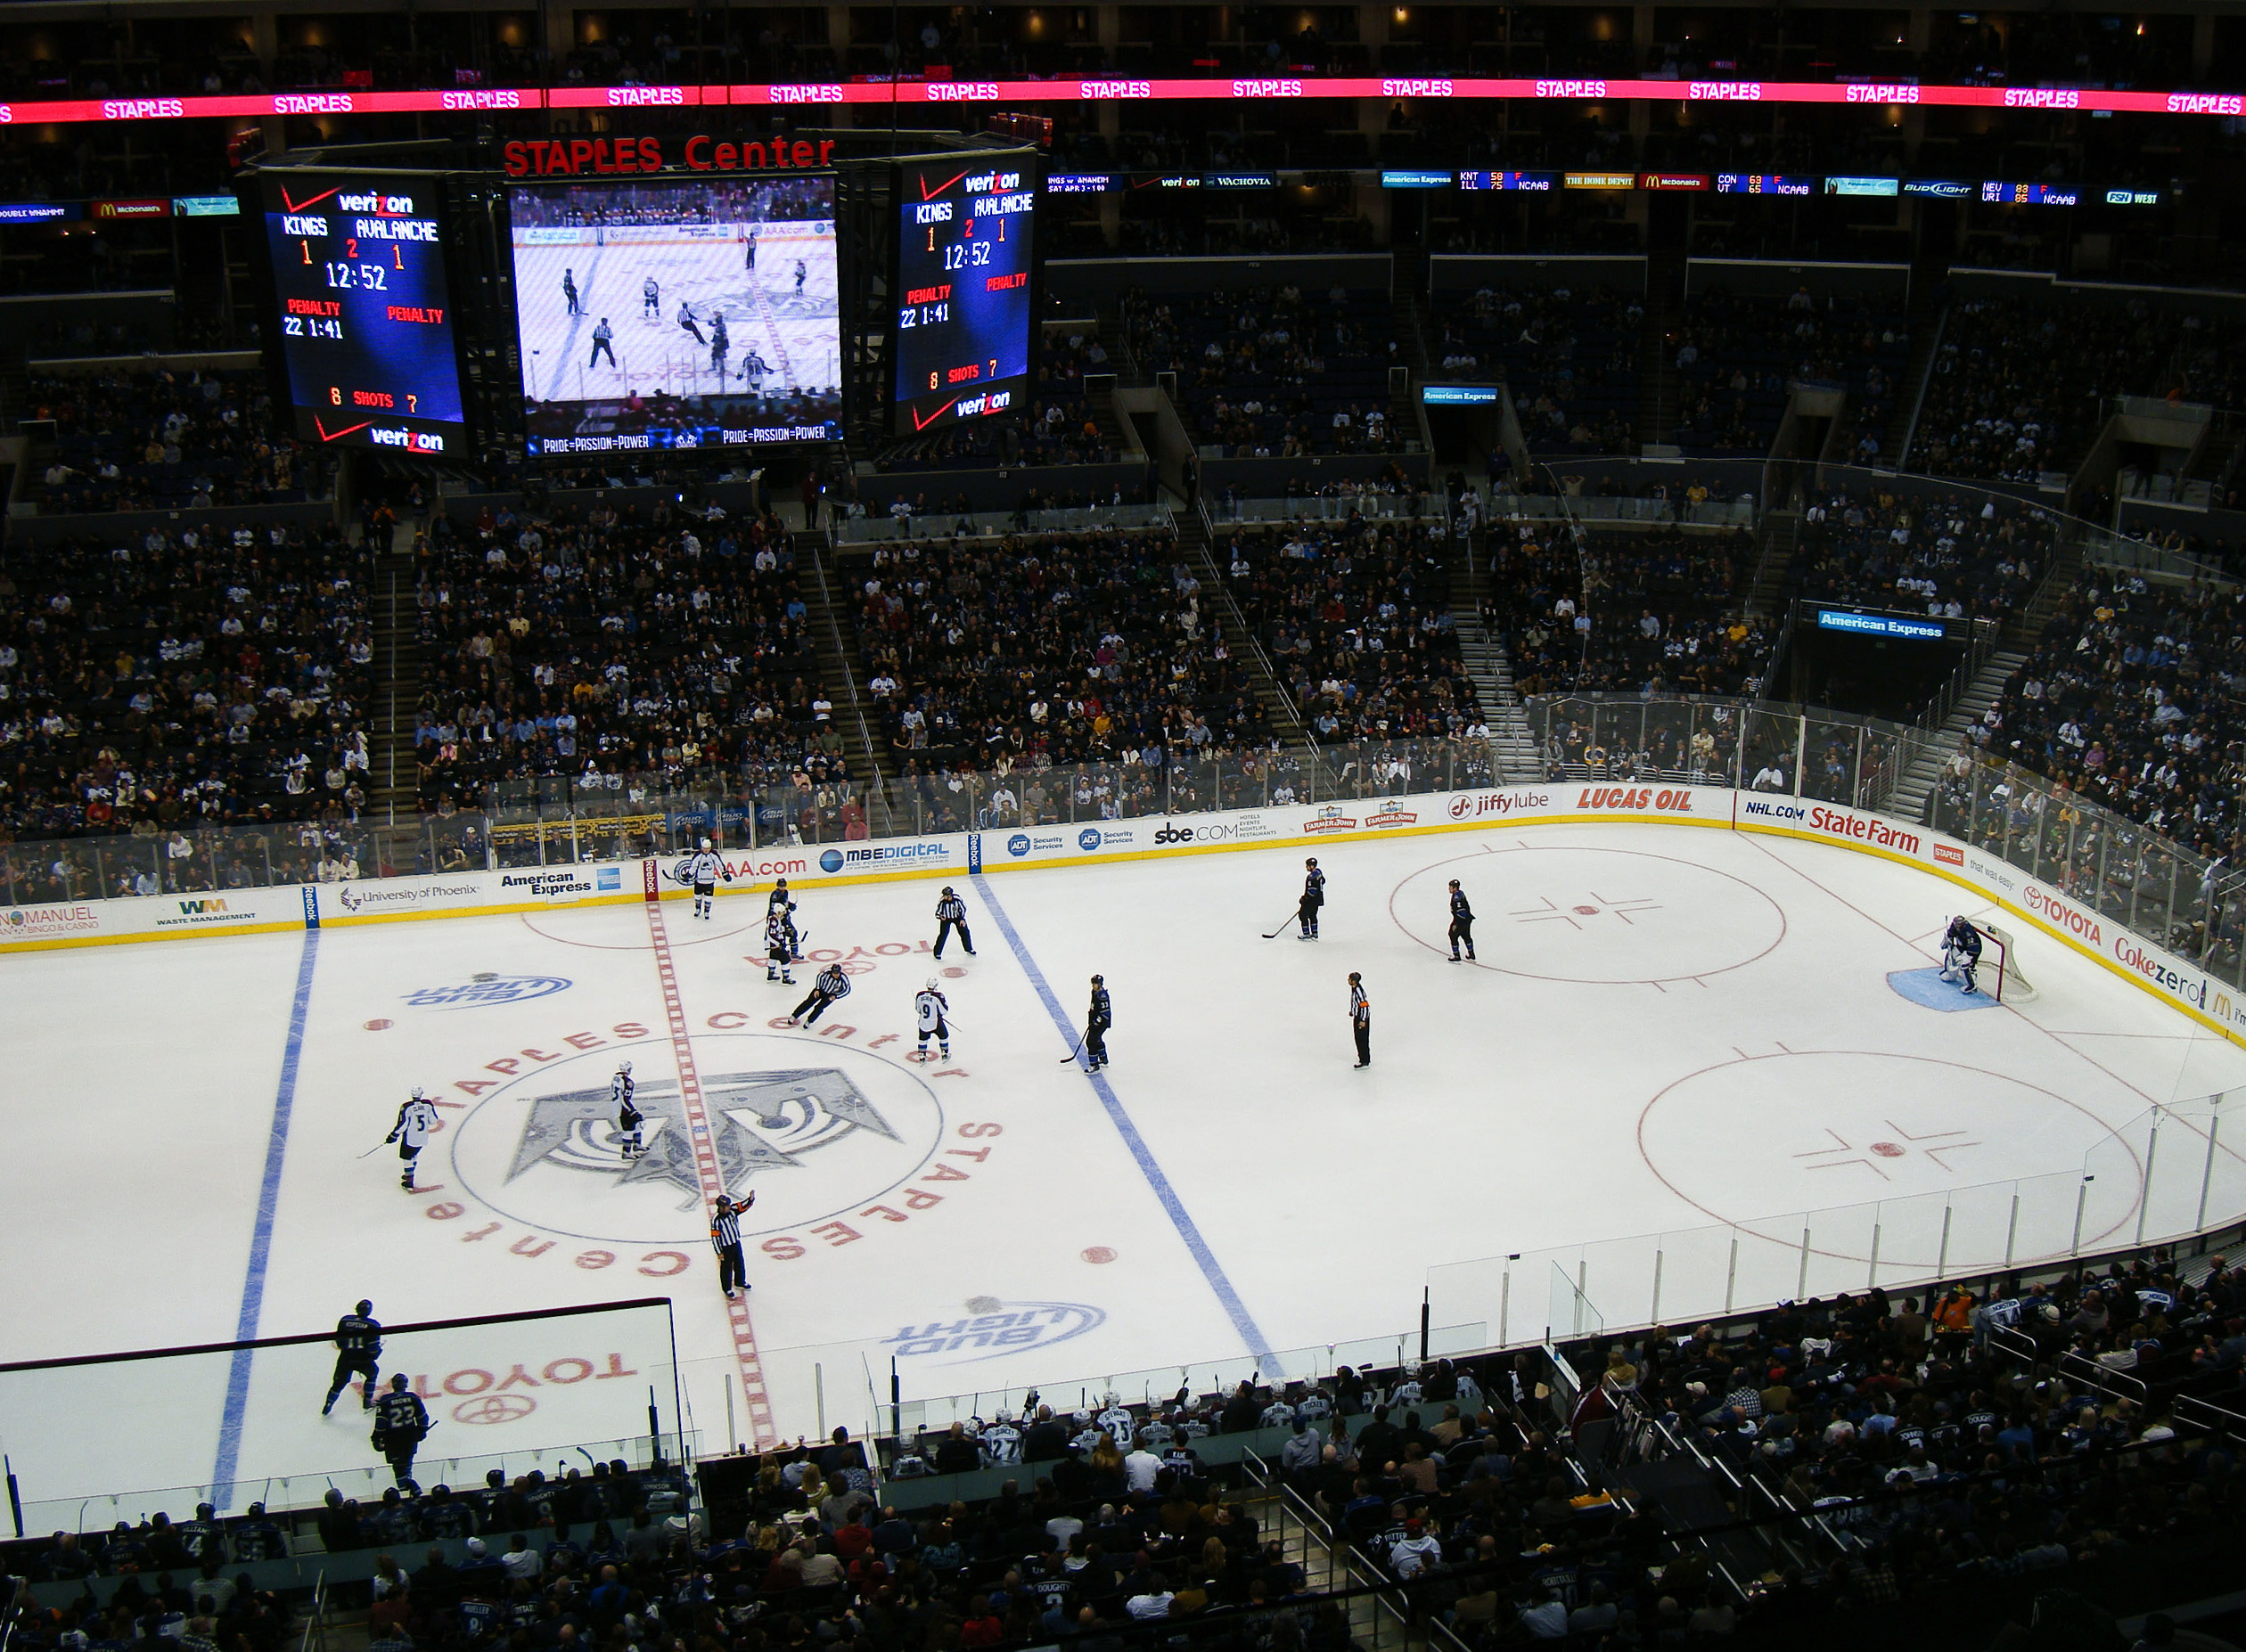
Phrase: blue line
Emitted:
{"points": [[1211, 1269], [261, 1236]]}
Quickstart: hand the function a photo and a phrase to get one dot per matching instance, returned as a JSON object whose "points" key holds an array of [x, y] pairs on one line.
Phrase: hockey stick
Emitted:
{"points": [[1072, 1054], [377, 1147], [1281, 930]]}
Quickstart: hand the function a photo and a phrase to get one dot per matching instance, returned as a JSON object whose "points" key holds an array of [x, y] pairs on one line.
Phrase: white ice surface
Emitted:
{"points": [[1668, 1028]]}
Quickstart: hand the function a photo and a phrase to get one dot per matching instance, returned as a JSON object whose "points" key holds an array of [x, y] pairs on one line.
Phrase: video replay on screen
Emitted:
{"points": [[687, 313]]}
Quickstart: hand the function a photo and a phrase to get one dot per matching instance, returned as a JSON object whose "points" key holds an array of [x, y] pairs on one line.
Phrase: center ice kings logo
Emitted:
{"points": [[792, 1114], [812, 1131]]}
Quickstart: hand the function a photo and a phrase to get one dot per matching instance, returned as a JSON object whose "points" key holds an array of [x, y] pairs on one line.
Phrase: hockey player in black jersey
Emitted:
{"points": [[1461, 921], [401, 1423], [951, 914], [1961, 953], [831, 983], [783, 903], [1097, 1019], [1313, 898], [358, 1349]]}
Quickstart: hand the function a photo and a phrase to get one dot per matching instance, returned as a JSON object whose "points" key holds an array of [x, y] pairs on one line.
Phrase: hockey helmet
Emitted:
{"points": [[1098, 979], [417, 1094], [931, 982], [1080, 1417], [781, 884], [705, 843], [1112, 1398], [1005, 1415], [366, 1307], [1312, 860], [623, 1067]]}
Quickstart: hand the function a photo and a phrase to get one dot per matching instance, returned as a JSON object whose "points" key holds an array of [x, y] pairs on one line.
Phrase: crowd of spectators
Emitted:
{"points": [[176, 680], [988, 662], [1571, 358], [1356, 618], [1953, 558], [1954, 1441], [1272, 373], [2018, 387], [623, 650], [2124, 703], [1657, 612], [1735, 354], [166, 439]]}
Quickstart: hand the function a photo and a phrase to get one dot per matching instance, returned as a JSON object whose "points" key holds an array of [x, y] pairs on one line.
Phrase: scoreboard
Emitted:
{"points": [[362, 309], [965, 316]]}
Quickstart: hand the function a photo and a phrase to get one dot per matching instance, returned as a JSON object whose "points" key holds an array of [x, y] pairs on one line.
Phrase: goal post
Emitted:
{"points": [[2001, 951]]}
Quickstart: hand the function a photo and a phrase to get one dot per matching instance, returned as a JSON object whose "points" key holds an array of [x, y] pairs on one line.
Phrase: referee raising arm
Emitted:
{"points": [[724, 1239]]}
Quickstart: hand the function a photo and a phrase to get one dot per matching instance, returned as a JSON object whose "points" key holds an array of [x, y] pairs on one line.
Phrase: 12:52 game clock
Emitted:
{"points": [[964, 315], [364, 321]]}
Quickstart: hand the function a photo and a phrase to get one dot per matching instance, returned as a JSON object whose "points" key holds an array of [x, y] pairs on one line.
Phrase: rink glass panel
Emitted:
{"points": [[125, 1435], [2127, 872]]}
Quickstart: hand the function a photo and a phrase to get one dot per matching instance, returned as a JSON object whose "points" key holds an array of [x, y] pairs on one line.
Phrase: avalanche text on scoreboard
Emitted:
{"points": [[366, 323], [964, 247]]}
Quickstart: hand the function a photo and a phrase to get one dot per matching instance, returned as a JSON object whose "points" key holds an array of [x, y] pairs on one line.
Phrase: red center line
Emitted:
{"points": [[706, 1171]]}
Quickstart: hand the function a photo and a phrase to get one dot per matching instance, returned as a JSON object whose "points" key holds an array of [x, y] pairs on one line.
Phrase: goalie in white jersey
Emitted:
{"points": [[416, 1120], [930, 1008], [703, 870]]}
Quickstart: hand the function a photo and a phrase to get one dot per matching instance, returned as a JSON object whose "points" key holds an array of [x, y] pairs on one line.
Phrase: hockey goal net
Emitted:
{"points": [[2000, 966]]}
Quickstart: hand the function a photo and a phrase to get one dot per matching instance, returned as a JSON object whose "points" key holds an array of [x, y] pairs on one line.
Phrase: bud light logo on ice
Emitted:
{"points": [[497, 989], [991, 1328]]}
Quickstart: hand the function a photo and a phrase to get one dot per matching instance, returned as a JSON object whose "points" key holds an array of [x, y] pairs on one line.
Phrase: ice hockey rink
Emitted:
{"points": [[793, 329], [1668, 1030]]}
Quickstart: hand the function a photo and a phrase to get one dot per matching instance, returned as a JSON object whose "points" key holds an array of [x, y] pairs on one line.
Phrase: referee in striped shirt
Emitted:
{"points": [[724, 1239]]}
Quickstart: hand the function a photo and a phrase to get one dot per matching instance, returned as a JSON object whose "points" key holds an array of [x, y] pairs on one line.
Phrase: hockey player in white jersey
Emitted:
{"points": [[702, 871], [630, 1119], [930, 1008], [1002, 1442], [415, 1122], [780, 941], [1122, 1427], [1088, 1434], [1961, 952]]}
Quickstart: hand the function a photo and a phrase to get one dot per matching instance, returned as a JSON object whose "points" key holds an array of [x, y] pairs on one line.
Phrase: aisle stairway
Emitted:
{"points": [[834, 636], [1512, 743], [392, 791], [1658, 384], [1218, 608]]}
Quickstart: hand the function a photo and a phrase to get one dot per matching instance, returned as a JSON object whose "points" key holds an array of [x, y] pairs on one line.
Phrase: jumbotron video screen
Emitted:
{"points": [[676, 313]]}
